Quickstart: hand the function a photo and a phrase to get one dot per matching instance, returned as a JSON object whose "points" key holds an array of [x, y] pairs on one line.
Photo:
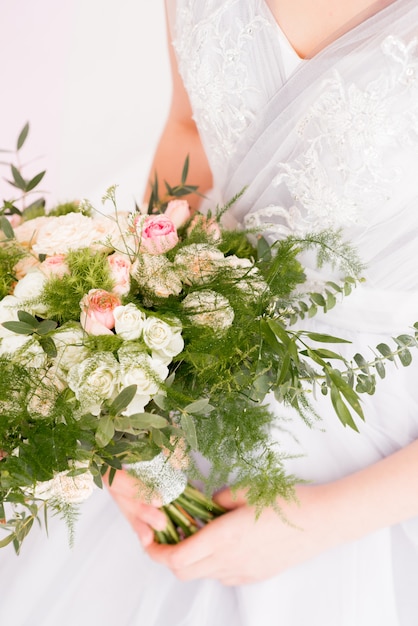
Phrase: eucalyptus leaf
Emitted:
{"points": [[405, 357], [48, 346], [31, 184], [385, 351], [323, 338], [189, 429], [5, 542], [22, 136], [122, 400], [19, 181], [21, 328], [28, 318], [6, 227], [145, 421], [199, 406], [185, 170], [105, 431], [46, 326]]}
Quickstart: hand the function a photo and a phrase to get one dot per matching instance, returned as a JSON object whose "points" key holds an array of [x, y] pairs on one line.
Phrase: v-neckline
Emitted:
{"points": [[353, 23]]}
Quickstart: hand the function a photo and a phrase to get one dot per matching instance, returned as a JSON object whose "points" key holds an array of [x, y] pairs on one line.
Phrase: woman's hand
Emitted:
{"points": [[237, 548], [143, 517]]}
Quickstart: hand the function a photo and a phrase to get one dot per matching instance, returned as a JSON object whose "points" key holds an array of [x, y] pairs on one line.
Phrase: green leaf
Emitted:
{"points": [[189, 429], [122, 400], [405, 357], [199, 406], [318, 299], [385, 351], [19, 181], [21, 328], [26, 317], [263, 249], [48, 346], [347, 391], [145, 421], [46, 326], [326, 338], [380, 368], [185, 170], [328, 354], [341, 409], [6, 227], [35, 181], [105, 431], [279, 331], [5, 542], [22, 136]]}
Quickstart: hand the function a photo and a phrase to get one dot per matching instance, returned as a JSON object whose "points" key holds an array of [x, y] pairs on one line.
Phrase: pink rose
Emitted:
{"points": [[97, 311], [157, 234], [209, 226], [178, 211], [55, 265], [15, 219], [120, 268]]}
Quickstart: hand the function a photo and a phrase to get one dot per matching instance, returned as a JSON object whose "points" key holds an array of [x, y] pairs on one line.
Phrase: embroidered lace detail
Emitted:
{"points": [[347, 166], [213, 49]]}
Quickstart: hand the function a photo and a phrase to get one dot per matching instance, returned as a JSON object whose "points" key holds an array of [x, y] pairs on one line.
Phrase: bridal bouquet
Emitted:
{"points": [[139, 339]]}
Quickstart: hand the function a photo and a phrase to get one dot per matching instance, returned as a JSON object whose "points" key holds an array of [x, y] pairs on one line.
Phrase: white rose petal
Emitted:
{"points": [[69, 342], [66, 489], [94, 380], [162, 337], [29, 291], [9, 307], [129, 321]]}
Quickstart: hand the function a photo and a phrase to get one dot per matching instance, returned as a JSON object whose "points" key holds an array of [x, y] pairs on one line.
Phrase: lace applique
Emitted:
{"points": [[213, 50], [347, 168]]}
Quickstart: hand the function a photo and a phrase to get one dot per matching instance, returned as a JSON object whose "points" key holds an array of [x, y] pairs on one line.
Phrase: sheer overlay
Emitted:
{"points": [[331, 141]]}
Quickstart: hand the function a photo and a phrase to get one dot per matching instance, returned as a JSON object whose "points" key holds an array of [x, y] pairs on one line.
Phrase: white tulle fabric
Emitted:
{"points": [[330, 141]]}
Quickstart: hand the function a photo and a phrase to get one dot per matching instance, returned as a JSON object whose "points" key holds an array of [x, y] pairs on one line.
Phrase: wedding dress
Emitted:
{"points": [[331, 141]]}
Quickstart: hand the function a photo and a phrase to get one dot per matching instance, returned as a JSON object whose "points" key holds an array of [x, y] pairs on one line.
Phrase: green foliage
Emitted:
{"points": [[88, 270], [10, 254]]}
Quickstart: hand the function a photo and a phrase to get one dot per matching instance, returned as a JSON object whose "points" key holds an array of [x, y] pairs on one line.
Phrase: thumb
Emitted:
{"points": [[230, 499]]}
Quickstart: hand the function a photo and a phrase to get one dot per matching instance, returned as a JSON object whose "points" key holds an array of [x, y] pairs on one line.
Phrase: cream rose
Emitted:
{"points": [[29, 291], [157, 275], [198, 263], [129, 321], [26, 234], [95, 380], [162, 338], [208, 308], [66, 489], [70, 346], [9, 307]]}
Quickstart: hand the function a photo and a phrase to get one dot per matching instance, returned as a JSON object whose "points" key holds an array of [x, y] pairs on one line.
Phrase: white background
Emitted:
{"points": [[92, 78]]}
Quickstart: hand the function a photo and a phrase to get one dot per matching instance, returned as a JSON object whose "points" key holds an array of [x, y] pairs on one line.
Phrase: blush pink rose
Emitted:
{"points": [[120, 271], [178, 211], [55, 265], [25, 264], [97, 312], [15, 220], [209, 226], [157, 234]]}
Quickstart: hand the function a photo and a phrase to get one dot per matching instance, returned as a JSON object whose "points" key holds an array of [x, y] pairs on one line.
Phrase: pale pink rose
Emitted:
{"points": [[157, 234], [209, 226], [120, 269], [14, 219], [97, 312], [178, 211], [55, 265], [26, 234], [24, 265]]}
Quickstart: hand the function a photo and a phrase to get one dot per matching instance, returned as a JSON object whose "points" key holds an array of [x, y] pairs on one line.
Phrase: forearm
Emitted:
{"points": [[378, 496], [179, 140]]}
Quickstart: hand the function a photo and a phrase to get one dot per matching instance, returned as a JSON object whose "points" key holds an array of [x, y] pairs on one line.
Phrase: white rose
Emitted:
{"points": [[156, 273], [247, 277], [29, 291], [13, 343], [59, 235], [129, 321], [27, 232], [9, 307], [26, 351], [95, 380], [162, 338], [208, 308], [69, 342], [198, 263], [66, 489], [147, 373]]}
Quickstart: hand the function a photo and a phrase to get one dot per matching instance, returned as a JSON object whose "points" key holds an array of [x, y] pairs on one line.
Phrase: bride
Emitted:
{"points": [[314, 106]]}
